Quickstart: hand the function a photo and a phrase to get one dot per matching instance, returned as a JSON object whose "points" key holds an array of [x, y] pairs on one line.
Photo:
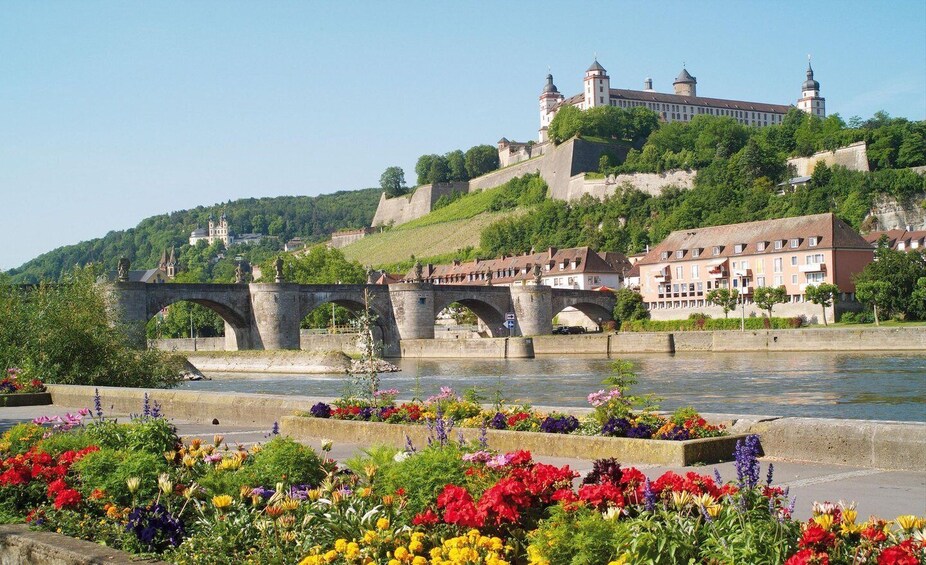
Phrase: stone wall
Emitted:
{"points": [[401, 209], [890, 214], [347, 343], [853, 157], [813, 312], [341, 239], [484, 348], [282, 362], [650, 183], [188, 344]]}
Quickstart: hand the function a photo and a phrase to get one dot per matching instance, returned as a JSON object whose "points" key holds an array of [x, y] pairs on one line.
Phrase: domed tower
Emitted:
{"points": [[550, 98], [685, 84], [597, 87], [811, 101]]}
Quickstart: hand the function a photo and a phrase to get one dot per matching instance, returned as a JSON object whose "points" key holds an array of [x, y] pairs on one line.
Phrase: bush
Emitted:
{"points": [[74, 440], [423, 476], [20, 438], [108, 469], [151, 435], [710, 324], [281, 459], [857, 318]]}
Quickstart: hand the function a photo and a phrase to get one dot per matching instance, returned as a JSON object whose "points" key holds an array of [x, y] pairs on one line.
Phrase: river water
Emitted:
{"points": [[888, 386]]}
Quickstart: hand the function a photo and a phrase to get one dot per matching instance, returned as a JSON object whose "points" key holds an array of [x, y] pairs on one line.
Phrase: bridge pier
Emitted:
{"points": [[129, 303], [533, 308], [275, 322], [413, 307]]}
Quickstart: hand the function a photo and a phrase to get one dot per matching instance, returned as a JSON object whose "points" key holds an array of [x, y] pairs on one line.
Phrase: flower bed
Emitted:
{"points": [[18, 390], [137, 487]]}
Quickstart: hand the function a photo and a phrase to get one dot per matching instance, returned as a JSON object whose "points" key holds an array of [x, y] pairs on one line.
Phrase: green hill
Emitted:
{"points": [[312, 218]]}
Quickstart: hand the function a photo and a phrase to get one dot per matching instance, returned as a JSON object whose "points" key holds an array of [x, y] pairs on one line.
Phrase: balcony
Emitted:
{"points": [[812, 268], [742, 273]]}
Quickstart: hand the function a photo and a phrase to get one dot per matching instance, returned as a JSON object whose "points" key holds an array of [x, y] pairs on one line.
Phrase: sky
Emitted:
{"points": [[111, 112]]}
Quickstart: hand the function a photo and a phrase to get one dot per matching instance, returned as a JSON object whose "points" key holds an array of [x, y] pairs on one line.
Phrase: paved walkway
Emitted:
{"points": [[877, 492]]}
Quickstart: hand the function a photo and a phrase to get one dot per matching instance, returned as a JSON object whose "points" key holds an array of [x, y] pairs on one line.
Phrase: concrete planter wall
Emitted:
{"points": [[660, 452], [20, 545], [25, 399]]}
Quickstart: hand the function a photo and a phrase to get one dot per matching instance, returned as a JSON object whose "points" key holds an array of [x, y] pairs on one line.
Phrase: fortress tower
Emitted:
{"points": [[597, 87], [685, 84], [550, 98], [811, 101]]}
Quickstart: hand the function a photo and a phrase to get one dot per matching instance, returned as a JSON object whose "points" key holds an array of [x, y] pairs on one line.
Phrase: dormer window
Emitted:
{"points": [[812, 242], [680, 254], [665, 255], [761, 246], [739, 247], [696, 252], [717, 249], [779, 243], [795, 242]]}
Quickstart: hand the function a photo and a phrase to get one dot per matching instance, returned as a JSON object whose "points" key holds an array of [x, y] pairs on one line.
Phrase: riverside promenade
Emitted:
{"points": [[877, 491]]}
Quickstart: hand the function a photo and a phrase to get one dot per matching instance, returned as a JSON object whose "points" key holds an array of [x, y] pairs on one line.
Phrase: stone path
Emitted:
{"points": [[877, 492]]}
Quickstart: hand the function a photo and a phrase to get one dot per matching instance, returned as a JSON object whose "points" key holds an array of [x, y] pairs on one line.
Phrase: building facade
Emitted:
{"points": [[677, 274], [220, 231], [899, 240], [680, 106]]}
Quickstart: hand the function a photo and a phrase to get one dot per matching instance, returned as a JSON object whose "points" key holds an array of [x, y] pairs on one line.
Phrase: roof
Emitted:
{"points": [[832, 233], [199, 232], [596, 66], [895, 237], [662, 98], [507, 270], [684, 76]]}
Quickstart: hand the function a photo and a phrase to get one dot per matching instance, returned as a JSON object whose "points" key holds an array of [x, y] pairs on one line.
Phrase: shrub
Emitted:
{"points": [[283, 459], [75, 440], [20, 438], [108, 469], [710, 324], [857, 318], [151, 435], [423, 476]]}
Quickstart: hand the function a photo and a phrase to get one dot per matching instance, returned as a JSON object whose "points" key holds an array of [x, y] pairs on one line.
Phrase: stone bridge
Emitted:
{"points": [[267, 315]]}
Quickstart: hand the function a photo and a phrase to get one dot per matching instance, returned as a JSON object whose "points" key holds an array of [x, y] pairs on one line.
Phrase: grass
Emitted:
{"points": [[884, 324], [468, 206], [428, 240]]}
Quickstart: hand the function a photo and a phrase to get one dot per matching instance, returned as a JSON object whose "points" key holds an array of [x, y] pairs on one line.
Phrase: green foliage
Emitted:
{"points": [[710, 324], [582, 536], [392, 182], [607, 122], [65, 333], [891, 283], [283, 459], [766, 297], [481, 159], [312, 218], [726, 298], [58, 443], [423, 475], [108, 469], [185, 319], [20, 438], [629, 306], [823, 294]]}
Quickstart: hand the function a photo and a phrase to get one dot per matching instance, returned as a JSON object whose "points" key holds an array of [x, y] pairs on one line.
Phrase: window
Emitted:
{"points": [[794, 260], [777, 266], [679, 272], [739, 247], [717, 250], [793, 279], [795, 242], [760, 246], [778, 244], [735, 283], [696, 252], [778, 280], [760, 281], [680, 253], [700, 287], [694, 271], [665, 255], [815, 278], [812, 242], [814, 259], [733, 265]]}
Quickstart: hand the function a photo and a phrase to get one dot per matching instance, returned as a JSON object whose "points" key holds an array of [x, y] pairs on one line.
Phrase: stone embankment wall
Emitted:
{"points": [[20, 545], [284, 362], [888, 213], [308, 341], [883, 445], [188, 344], [483, 348], [650, 183], [853, 157], [401, 209], [813, 312]]}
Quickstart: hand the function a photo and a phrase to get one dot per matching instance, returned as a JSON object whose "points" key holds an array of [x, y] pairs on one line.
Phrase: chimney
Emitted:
{"points": [[648, 84], [551, 251]]}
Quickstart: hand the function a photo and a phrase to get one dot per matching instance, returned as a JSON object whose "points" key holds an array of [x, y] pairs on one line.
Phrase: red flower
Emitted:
{"points": [[520, 458], [808, 557], [15, 476], [901, 554], [515, 418], [400, 491], [55, 487], [565, 496], [816, 537], [602, 495], [67, 498], [459, 508], [874, 534], [426, 518], [505, 500]]}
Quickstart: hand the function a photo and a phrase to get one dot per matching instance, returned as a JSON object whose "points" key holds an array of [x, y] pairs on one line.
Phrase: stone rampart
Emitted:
{"points": [[650, 183], [344, 238], [318, 343], [853, 157], [401, 209]]}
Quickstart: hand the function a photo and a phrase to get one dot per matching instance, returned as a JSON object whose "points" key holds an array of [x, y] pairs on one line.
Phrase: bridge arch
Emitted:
{"points": [[490, 306], [595, 305], [351, 298], [231, 304]]}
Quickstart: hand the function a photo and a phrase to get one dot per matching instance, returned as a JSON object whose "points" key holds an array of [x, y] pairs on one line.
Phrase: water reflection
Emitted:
{"points": [[821, 384]]}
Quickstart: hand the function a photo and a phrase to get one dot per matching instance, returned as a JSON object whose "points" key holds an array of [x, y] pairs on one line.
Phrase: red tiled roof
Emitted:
{"points": [[895, 237], [830, 231]]}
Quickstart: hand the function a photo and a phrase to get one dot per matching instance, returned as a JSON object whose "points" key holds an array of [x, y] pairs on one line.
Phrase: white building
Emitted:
{"points": [[682, 105], [219, 231]]}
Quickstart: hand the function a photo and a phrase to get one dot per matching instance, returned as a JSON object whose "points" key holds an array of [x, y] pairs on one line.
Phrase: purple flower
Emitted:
{"points": [[262, 492], [604, 471], [156, 409], [145, 407], [97, 404], [275, 430], [717, 477], [498, 421], [747, 462], [155, 527], [409, 446], [365, 413], [649, 497], [320, 410], [559, 424], [483, 436], [768, 477]]}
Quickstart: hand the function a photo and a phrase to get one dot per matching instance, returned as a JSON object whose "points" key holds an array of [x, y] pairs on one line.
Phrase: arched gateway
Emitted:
{"points": [[267, 315]]}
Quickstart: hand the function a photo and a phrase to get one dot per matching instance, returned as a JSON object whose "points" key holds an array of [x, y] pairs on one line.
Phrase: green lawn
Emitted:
{"points": [[470, 205]]}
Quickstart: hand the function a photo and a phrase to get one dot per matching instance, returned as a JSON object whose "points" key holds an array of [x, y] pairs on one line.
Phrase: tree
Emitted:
{"points": [[823, 294], [766, 297], [901, 270], [423, 168], [392, 182], [440, 170], [726, 298], [629, 307], [456, 161], [873, 293], [481, 159]]}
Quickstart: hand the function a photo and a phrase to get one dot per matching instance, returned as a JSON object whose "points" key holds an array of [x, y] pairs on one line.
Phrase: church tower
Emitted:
{"points": [[171, 266], [685, 84], [597, 87], [549, 100], [811, 101]]}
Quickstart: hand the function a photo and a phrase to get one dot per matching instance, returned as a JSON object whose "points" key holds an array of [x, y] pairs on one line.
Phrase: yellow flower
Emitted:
{"points": [[906, 522], [401, 553], [382, 523], [221, 501], [419, 560], [713, 510], [289, 504], [340, 545], [849, 515], [825, 521], [353, 550], [133, 483], [331, 556], [415, 546]]}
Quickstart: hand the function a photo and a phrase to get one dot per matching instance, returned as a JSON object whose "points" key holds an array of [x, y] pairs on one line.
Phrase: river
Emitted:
{"points": [[888, 386]]}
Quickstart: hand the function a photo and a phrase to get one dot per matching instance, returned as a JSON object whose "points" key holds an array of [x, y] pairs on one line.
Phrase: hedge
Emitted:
{"points": [[710, 324]]}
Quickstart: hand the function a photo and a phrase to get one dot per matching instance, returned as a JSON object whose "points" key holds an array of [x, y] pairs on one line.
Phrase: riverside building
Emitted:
{"points": [[679, 106], [677, 274]]}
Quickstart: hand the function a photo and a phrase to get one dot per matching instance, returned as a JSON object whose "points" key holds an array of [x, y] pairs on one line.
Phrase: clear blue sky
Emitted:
{"points": [[114, 111]]}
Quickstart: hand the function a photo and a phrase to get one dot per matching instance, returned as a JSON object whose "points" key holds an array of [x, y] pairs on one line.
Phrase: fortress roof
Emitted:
{"points": [[644, 96]]}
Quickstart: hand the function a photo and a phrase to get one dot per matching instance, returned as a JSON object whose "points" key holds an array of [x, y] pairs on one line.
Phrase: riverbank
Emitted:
{"points": [[863, 443]]}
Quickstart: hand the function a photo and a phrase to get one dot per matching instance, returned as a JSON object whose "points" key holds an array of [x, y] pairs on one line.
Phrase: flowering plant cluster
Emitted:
{"points": [[15, 381], [612, 417]]}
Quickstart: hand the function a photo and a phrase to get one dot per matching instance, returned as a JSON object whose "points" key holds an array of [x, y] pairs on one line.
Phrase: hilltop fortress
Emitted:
{"points": [[564, 166]]}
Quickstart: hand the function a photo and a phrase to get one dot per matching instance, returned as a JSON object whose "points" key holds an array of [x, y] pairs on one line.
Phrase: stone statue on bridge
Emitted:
{"points": [[122, 269], [489, 277], [538, 274], [419, 269], [239, 274], [278, 265]]}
